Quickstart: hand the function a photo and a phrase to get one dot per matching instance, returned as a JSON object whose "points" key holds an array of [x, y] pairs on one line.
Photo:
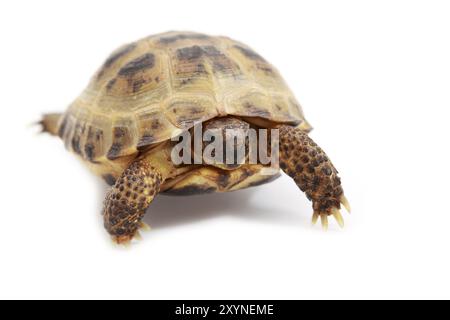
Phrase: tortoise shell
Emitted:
{"points": [[154, 89]]}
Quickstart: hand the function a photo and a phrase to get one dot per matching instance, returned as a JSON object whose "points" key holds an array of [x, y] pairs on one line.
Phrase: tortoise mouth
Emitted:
{"points": [[226, 148]]}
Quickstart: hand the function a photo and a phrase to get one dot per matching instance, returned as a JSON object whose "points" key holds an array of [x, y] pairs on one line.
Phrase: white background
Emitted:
{"points": [[373, 78]]}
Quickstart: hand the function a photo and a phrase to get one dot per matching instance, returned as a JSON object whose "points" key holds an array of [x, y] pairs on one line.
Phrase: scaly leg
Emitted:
{"points": [[125, 204], [305, 162]]}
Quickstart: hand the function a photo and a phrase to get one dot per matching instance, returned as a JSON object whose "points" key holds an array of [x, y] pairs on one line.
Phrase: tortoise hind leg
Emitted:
{"points": [[49, 123], [306, 163], [127, 201]]}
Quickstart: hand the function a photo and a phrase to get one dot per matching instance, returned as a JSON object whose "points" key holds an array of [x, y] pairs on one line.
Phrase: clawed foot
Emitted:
{"points": [[125, 240], [332, 211]]}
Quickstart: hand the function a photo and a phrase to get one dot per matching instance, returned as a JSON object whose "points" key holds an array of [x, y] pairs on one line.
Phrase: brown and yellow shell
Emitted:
{"points": [[154, 89]]}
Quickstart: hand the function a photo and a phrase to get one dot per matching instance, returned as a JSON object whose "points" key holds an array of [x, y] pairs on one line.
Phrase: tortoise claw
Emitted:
{"points": [[337, 215], [315, 217], [324, 220], [122, 240], [145, 227], [137, 236], [127, 239], [345, 203]]}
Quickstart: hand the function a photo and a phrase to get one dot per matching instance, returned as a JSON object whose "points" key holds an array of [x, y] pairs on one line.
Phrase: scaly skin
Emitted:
{"points": [[308, 165], [125, 204]]}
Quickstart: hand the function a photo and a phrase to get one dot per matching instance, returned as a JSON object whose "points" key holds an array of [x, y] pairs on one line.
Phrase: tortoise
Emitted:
{"points": [[155, 89]]}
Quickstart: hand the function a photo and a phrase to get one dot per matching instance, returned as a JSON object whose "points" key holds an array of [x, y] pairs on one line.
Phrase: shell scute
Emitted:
{"points": [[143, 74], [154, 127], [182, 36], [96, 139], [146, 61], [114, 57], [184, 113], [124, 138]]}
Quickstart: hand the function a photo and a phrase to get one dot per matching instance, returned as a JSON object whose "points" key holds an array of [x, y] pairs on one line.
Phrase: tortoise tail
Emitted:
{"points": [[49, 123]]}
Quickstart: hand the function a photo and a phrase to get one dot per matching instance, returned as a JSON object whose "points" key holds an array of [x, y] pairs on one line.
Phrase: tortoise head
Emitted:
{"points": [[225, 142]]}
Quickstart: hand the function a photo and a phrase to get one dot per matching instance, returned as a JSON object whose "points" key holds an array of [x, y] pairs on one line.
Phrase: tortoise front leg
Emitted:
{"points": [[126, 202], [305, 162]]}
